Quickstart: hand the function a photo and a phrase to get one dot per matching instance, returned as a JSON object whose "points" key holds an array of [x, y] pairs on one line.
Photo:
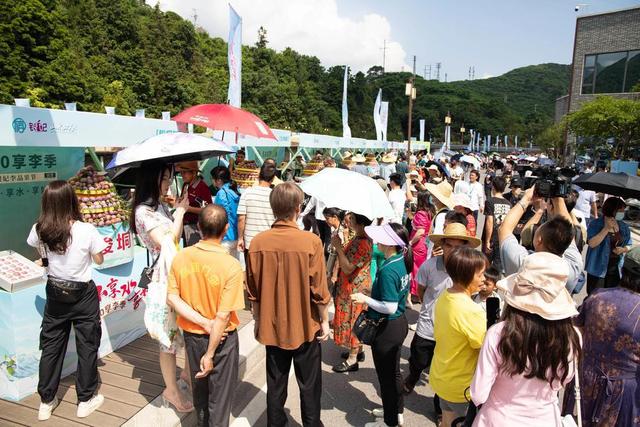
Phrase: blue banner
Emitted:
{"points": [[235, 58]]}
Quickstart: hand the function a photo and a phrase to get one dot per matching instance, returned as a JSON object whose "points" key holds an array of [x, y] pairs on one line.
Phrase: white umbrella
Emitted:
{"points": [[171, 148], [471, 160], [350, 191]]}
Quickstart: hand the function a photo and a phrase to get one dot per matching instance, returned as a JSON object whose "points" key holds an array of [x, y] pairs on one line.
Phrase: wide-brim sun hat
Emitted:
{"points": [[389, 158], [539, 287], [456, 231], [384, 235], [189, 166], [442, 192], [359, 158], [463, 200], [347, 154]]}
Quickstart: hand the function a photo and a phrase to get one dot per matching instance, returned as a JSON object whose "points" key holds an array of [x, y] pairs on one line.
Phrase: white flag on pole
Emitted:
{"points": [[234, 53], [346, 131], [376, 115], [422, 122], [384, 118]]}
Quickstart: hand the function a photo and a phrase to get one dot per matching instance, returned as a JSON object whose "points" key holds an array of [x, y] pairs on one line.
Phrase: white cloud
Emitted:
{"points": [[311, 27]]}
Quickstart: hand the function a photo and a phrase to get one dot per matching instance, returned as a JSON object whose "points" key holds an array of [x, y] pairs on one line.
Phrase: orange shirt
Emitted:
{"points": [[208, 279]]}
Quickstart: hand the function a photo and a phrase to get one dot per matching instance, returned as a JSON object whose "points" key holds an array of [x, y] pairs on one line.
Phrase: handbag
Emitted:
{"points": [[366, 329], [147, 275]]}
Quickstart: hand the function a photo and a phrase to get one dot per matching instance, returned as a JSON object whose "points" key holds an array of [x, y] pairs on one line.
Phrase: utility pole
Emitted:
{"points": [[469, 73], [384, 56], [411, 93], [429, 71], [425, 72]]}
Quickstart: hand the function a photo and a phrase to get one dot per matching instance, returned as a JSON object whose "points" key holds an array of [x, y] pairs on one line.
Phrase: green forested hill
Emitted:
{"points": [[126, 54]]}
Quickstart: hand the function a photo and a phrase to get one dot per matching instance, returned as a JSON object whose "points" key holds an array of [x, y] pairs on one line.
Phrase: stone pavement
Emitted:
{"points": [[347, 399]]}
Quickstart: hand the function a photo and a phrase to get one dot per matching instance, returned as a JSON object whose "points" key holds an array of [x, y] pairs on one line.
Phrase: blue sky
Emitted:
{"points": [[494, 36]]}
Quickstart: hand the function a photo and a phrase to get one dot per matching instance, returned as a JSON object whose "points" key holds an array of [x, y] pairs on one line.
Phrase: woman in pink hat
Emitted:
{"points": [[528, 357], [386, 307]]}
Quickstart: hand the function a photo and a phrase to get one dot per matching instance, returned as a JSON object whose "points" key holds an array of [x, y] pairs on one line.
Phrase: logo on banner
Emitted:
{"points": [[19, 125]]}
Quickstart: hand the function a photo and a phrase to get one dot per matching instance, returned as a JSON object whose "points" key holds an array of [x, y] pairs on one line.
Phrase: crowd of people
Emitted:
{"points": [[491, 267]]}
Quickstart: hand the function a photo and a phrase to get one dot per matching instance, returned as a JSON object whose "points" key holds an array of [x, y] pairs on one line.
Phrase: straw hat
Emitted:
{"points": [[539, 287], [442, 192], [389, 158], [461, 200], [191, 166], [347, 154], [457, 231], [359, 158]]}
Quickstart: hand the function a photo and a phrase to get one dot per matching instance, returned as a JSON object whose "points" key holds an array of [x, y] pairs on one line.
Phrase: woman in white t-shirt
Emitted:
{"points": [[152, 221], [67, 247]]}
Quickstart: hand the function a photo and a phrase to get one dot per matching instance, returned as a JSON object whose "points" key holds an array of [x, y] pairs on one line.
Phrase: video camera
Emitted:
{"points": [[550, 182]]}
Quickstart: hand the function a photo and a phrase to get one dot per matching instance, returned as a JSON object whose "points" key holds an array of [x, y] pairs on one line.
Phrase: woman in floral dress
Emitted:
{"points": [[610, 322], [355, 276]]}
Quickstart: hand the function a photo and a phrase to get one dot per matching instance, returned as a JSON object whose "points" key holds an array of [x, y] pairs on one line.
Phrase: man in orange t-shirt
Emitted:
{"points": [[206, 282]]}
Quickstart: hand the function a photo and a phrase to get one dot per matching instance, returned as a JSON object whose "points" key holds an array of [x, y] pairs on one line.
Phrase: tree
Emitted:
{"points": [[608, 117], [119, 96], [262, 38], [552, 138]]}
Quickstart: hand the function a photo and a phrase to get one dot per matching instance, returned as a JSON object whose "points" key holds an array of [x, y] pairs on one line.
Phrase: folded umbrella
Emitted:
{"points": [[615, 184], [225, 117], [170, 148], [350, 191]]}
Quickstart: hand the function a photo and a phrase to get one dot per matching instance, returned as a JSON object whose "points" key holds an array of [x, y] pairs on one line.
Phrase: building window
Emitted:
{"points": [[615, 72]]}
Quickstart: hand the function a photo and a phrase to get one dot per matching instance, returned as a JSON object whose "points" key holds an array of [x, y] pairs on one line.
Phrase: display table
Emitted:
{"points": [[121, 311]]}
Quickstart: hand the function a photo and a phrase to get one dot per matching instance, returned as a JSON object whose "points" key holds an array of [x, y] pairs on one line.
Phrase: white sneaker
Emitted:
{"points": [[379, 413], [45, 410], [86, 408]]}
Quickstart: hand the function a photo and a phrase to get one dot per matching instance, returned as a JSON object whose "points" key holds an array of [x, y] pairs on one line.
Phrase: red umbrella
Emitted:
{"points": [[224, 117]]}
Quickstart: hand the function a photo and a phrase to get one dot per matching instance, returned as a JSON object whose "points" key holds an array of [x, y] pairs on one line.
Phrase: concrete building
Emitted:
{"points": [[606, 60]]}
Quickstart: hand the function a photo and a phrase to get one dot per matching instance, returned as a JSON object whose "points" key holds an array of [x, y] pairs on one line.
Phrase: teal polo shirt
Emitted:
{"points": [[391, 285]]}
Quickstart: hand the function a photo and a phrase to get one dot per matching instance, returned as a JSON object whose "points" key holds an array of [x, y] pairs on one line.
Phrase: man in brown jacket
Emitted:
{"points": [[286, 281]]}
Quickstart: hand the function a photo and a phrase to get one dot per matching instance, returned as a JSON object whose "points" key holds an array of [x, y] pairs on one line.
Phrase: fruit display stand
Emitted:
{"points": [[30, 157], [101, 206], [246, 174]]}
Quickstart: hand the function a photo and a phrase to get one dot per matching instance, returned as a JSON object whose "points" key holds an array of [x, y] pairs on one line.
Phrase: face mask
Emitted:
{"points": [[619, 216]]}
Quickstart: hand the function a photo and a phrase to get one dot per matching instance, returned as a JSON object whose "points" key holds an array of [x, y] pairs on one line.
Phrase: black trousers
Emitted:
{"points": [[422, 350], [610, 280], [58, 318], [307, 365], [325, 236], [386, 358], [213, 395]]}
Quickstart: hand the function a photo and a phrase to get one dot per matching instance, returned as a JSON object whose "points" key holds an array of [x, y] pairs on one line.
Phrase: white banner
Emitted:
{"points": [[384, 118], [422, 123], [376, 116], [346, 131], [235, 58]]}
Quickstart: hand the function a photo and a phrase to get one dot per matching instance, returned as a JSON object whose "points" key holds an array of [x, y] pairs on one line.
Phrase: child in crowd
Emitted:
{"points": [[488, 288]]}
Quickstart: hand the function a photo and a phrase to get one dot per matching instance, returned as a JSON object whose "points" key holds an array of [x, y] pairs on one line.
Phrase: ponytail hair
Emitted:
{"points": [[224, 175], [406, 250]]}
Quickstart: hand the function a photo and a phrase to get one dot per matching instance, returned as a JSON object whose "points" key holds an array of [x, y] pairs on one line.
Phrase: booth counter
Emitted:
{"points": [[121, 311]]}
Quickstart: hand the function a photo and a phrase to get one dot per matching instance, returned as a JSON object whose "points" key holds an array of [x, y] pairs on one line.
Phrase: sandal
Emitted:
{"points": [[168, 403]]}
